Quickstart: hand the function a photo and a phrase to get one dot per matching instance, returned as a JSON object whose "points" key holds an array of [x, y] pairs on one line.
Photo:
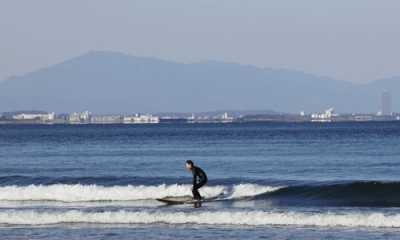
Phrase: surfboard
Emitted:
{"points": [[170, 201]]}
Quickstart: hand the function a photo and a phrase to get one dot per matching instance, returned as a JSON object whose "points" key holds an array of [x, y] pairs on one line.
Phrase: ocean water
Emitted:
{"points": [[266, 181]]}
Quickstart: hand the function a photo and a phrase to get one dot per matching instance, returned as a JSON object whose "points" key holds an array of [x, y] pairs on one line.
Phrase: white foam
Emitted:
{"points": [[248, 190], [250, 218], [87, 193], [81, 193]]}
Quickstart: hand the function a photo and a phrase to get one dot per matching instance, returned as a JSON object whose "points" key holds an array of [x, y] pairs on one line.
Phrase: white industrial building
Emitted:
{"points": [[42, 117], [323, 117], [138, 118], [106, 119], [80, 118]]}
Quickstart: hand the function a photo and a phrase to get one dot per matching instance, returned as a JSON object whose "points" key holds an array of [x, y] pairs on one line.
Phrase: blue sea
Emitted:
{"points": [[266, 181]]}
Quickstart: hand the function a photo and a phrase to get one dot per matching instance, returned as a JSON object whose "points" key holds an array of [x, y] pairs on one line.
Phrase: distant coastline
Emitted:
{"points": [[86, 118]]}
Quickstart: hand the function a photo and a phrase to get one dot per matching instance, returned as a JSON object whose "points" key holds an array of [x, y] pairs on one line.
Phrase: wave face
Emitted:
{"points": [[356, 194]]}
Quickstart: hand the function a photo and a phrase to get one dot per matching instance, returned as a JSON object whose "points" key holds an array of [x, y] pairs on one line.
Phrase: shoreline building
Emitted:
{"points": [[139, 118], [386, 101], [76, 118], [41, 117], [326, 117]]}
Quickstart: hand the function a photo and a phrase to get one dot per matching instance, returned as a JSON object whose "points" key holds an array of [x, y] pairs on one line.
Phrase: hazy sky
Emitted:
{"points": [[352, 40]]}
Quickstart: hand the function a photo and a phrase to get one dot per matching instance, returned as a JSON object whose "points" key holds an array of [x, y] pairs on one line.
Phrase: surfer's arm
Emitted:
{"points": [[194, 177]]}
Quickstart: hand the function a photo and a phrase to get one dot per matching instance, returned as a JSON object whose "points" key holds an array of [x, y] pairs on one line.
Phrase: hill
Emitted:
{"points": [[116, 83]]}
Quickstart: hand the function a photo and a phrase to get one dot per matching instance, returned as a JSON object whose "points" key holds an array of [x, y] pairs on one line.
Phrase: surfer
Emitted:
{"points": [[196, 184]]}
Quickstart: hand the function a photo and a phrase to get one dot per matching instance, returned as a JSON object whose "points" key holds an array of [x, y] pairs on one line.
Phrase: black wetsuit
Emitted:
{"points": [[198, 172]]}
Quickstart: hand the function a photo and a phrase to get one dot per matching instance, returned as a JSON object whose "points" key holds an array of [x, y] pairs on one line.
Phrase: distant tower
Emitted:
{"points": [[386, 108]]}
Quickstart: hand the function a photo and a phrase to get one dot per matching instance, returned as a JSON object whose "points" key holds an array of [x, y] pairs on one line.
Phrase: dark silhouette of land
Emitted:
{"points": [[116, 83]]}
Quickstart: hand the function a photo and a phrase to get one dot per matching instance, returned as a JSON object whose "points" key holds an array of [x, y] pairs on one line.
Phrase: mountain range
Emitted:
{"points": [[116, 83]]}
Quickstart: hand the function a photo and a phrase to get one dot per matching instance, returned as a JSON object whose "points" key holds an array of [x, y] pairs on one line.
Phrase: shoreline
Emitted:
{"points": [[247, 118]]}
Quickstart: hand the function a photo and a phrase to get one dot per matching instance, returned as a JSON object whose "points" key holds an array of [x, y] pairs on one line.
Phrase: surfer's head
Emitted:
{"points": [[189, 164]]}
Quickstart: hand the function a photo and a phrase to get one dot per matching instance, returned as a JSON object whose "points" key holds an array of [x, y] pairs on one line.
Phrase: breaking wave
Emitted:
{"points": [[243, 218], [89, 193], [355, 194]]}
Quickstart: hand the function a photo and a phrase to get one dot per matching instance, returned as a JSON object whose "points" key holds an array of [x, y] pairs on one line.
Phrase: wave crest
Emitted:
{"points": [[89, 193], [250, 218]]}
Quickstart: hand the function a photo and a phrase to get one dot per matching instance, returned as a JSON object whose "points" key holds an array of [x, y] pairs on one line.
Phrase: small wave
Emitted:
{"points": [[250, 218], [249, 190], [89, 193]]}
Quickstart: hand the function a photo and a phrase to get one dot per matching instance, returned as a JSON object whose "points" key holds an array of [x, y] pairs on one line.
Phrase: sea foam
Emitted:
{"points": [[242, 218], [89, 193]]}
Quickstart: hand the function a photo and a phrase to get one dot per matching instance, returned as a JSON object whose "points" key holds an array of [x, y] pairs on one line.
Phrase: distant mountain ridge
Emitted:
{"points": [[116, 83]]}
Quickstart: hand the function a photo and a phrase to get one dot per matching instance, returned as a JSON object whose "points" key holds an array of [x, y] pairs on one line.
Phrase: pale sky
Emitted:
{"points": [[351, 40]]}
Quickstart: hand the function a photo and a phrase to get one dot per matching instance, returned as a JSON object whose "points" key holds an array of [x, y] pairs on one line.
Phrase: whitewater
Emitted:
{"points": [[93, 193], [240, 218], [48, 205]]}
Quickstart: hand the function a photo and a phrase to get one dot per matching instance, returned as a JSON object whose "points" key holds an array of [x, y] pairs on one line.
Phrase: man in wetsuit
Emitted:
{"points": [[196, 184]]}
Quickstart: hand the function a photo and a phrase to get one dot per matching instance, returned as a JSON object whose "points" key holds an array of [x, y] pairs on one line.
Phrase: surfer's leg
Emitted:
{"points": [[196, 194], [195, 191]]}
